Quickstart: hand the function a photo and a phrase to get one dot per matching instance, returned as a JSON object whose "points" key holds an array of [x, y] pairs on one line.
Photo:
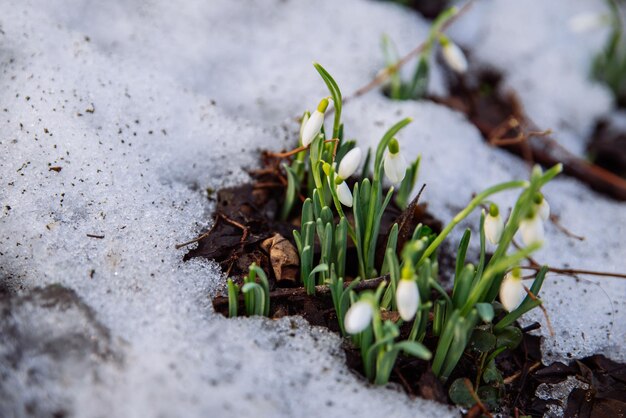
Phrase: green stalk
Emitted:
{"points": [[465, 212]]}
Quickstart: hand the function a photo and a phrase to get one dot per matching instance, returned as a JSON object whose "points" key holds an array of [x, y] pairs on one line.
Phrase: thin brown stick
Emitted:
{"points": [[557, 222], [512, 378], [574, 272], [288, 154], [543, 309]]}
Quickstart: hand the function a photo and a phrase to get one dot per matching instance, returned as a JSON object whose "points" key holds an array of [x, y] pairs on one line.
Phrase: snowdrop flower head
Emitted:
{"points": [[494, 225], [407, 299], [395, 165], [531, 229], [358, 317], [512, 291], [542, 206], [343, 193], [453, 55], [314, 124], [350, 162], [305, 119]]}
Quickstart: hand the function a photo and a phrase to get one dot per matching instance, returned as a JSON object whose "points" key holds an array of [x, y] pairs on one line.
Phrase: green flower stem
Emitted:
{"points": [[465, 212]]}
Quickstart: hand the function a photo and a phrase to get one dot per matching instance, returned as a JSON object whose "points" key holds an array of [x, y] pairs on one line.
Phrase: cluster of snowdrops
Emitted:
{"points": [[491, 289]]}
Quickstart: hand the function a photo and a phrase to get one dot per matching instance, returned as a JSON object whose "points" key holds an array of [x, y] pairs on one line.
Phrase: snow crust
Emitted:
{"points": [[148, 106]]}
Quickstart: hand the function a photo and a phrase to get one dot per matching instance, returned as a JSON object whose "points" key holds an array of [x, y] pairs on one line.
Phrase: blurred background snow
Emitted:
{"points": [[146, 105]]}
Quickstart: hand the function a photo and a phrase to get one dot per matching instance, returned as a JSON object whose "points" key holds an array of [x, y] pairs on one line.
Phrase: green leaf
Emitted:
{"points": [[460, 393], [460, 255], [291, 193], [415, 349], [419, 84], [491, 374], [490, 396], [485, 311], [233, 296], [341, 246], [482, 341], [333, 88], [509, 337]]}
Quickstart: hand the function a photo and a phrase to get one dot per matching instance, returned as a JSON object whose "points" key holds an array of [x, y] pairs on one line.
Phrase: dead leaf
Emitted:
{"points": [[283, 258]]}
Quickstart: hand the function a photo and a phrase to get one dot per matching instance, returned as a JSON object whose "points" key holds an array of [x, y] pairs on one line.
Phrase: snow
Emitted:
{"points": [[148, 106]]}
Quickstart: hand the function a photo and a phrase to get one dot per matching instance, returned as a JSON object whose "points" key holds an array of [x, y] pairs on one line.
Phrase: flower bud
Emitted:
{"points": [[407, 299], [531, 229], [454, 56], [394, 164], [344, 194], [349, 163], [358, 317], [314, 124], [512, 291], [494, 225], [544, 209]]}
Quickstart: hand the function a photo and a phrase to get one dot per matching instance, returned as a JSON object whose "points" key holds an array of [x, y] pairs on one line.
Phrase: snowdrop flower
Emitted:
{"points": [[494, 225], [344, 194], [395, 165], [453, 55], [314, 124], [512, 291], [407, 299], [543, 208], [349, 163], [587, 22], [531, 229], [358, 317], [305, 119]]}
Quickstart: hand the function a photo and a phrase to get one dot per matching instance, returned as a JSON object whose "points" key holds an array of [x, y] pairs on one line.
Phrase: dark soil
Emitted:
{"points": [[245, 218], [608, 147]]}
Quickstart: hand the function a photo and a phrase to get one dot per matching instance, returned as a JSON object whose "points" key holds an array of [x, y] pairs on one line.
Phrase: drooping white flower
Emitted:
{"points": [[544, 209], [344, 194], [305, 119], [407, 299], [454, 56], [349, 163], [314, 124], [587, 22], [532, 229], [394, 164], [358, 317], [494, 225], [512, 291]]}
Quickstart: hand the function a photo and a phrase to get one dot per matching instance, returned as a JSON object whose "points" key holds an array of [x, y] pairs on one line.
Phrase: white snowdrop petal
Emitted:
{"points": [[544, 209], [344, 194], [395, 167], [512, 292], [305, 119], [407, 299], [532, 230], [494, 226], [312, 127], [349, 163], [358, 317], [455, 57]]}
